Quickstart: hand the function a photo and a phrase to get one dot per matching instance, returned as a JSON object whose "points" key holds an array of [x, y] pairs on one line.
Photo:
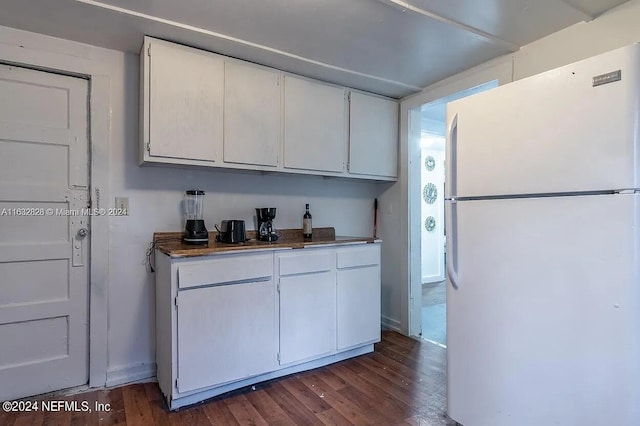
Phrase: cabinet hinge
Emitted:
{"points": [[177, 383], [149, 51], [278, 356], [175, 300], [278, 286], [349, 96], [349, 166], [149, 147]]}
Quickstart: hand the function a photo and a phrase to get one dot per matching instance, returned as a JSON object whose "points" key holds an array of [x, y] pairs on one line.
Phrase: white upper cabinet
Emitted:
{"points": [[183, 102], [203, 109], [373, 136], [252, 114], [314, 125]]}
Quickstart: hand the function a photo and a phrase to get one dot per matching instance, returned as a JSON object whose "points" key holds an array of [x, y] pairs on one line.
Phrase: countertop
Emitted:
{"points": [[170, 243]]}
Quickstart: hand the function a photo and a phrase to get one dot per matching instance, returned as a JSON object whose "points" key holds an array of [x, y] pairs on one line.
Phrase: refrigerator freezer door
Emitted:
{"points": [[551, 133], [544, 327]]}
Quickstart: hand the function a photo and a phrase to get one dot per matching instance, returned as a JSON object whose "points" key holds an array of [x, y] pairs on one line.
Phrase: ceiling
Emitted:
{"points": [[391, 47]]}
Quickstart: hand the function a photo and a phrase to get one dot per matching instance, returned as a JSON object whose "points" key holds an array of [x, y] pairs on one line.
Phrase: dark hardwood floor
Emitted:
{"points": [[401, 383]]}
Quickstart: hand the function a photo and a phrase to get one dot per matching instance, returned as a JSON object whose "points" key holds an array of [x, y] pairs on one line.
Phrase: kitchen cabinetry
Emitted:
{"points": [[216, 320], [358, 295], [182, 103], [252, 114], [203, 109], [225, 332], [307, 304], [234, 319], [314, 125], [373, 135]]}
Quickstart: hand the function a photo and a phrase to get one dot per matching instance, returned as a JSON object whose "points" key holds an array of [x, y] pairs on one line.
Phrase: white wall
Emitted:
{"points": [[617, 28], [155, 194]]}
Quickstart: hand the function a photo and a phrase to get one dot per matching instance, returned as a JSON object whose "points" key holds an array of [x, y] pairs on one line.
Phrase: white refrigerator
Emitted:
{"points": [[543, 237]]}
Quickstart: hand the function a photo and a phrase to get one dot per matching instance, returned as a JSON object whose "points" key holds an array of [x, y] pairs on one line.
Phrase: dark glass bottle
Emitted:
{"points": [[307, 229]]}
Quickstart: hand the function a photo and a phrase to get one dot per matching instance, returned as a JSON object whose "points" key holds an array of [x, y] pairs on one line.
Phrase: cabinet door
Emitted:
{"points": [[185, 102], [314, 126], [373, 136], [358, 304], [252, 115], [225, 333], [307, 316]]}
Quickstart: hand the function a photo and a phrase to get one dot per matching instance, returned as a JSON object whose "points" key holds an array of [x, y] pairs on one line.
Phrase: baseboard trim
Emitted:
{"points": [[391, 324], [130, 373]]}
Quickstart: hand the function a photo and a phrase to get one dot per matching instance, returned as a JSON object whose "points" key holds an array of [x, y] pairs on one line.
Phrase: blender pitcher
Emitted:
{"points": [[195, 232]]}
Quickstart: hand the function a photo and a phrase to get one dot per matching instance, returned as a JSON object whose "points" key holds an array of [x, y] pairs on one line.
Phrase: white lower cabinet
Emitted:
{"points": [[234, 319], [225, 333], [307, 304], [358, 295]]}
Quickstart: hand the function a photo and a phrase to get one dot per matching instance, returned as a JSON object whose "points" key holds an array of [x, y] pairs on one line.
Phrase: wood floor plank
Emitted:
{"points": [[193, 416], [374, 411], [115, 416], [268, 409], [431, 380], [57, 418], [294, 409], [334, 381], [332, 417], [159, 409], [339, 402], [244, 412], [385, 400], [430, 400], [219, 414], [136, 405], [402, 382], [32, 418], [80, 417], [304, 395], [425, 404]]}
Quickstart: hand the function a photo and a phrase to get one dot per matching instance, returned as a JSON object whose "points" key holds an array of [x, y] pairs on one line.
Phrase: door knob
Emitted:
{"points": [[82, 232]]}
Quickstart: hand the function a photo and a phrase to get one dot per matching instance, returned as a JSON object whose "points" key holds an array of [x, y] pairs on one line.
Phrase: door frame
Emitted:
{"points": [[99, 105], [500, 69]]}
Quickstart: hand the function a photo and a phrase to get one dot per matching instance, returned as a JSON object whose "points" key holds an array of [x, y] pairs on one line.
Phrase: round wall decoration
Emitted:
{"points": [[430, 223], [430, 193], [429, 163]]}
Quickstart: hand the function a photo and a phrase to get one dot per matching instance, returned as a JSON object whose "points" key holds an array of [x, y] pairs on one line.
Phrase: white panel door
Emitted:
{"points": [[314, 125], [225, 333], [544, 327], [186, 102], [252, 114], [307, 316], [552, 132], [44, 260], [373, 135]]}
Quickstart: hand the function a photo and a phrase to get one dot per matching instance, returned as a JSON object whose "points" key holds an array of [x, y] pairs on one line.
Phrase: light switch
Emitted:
{"points": [[122, 206]]}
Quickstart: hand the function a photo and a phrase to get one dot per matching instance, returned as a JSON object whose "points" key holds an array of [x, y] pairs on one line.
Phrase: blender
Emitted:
{"points": [[195, 232]]}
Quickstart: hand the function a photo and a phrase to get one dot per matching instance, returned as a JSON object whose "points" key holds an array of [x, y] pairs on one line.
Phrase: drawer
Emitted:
{"points": [[365, 255], [305, 261], [226, 269]]}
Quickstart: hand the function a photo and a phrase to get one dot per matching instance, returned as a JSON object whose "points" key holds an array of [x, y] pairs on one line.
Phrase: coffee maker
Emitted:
{"points": [[265, 217], [194, 231]]}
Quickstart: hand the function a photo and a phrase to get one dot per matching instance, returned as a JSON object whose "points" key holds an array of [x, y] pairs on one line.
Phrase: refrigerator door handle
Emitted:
{"points": [[452, 242], [452, 157], [453, 276]]}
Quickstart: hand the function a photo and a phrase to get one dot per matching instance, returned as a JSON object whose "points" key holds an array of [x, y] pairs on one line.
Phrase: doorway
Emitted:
{"points": [[431, 190], [44, 231]]}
